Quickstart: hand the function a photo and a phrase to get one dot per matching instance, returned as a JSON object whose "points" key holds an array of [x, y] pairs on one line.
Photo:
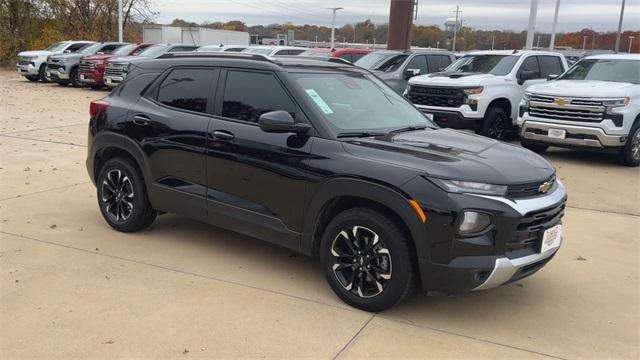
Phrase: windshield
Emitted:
{"points": [[381, 61], [57, 46], [486, 64], [124, 50], [154, 50], [616, 70], [359, 103], [90, 49], [265, 51]]}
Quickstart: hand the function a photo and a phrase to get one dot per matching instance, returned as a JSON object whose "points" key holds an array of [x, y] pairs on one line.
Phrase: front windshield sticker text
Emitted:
{"points": [[319, 101]]}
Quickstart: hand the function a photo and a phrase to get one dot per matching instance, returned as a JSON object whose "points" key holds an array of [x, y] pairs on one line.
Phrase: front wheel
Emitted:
{"points": [[32, 78], [42, 73], [74, 77], [630, 153], [122, 196], [495, 124], [367, 260]]}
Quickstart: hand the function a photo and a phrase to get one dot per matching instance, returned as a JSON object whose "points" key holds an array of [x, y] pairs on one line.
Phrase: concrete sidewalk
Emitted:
{"points": [[71, 287]]}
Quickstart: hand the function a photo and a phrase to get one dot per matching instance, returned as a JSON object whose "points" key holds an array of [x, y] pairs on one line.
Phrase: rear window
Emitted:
{"points": [[186, 89]]}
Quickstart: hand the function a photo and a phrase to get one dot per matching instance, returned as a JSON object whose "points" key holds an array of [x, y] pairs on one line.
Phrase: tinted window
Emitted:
{"points": [[418, 62], [618, 70], [76, 47], [108, 49], [247, 95], [346, 56], [551, 65], [282, 52], [357, 56], [531, 64], [486, 64], [186, 89], [295, 52], [438, 62]]}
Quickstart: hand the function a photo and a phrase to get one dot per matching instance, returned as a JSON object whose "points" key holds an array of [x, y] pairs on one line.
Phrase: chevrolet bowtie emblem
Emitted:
{"points": [[561, 101], [545, 187]]}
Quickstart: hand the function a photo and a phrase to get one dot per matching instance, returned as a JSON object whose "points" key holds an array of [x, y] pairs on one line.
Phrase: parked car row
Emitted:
{"points": [[592, 105]]}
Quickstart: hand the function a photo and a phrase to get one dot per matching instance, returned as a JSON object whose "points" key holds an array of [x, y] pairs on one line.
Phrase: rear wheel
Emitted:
{"points": [[32, 78], [630, 153], [42, 73], [495, 124], [367, 260], [122, 196], [74, 77]]}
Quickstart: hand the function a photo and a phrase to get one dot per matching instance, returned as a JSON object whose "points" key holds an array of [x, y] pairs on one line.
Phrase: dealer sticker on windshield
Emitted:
{"points": [[319, 101]]}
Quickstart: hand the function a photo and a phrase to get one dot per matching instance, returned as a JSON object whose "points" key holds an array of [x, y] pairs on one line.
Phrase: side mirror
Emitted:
{"points": [[409, 73], [67, 52], [525, 75], [552, 77], [100, 53], [280, 121]]}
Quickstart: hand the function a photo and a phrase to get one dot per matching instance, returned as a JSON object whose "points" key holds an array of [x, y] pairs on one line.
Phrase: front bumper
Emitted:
{"points": [[26, 70], [576, 135], [453, 119], [57, 75], [113, 81]]}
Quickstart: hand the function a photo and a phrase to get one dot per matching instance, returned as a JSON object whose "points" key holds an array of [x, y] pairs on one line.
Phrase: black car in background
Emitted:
{"points": [[325, 159]]}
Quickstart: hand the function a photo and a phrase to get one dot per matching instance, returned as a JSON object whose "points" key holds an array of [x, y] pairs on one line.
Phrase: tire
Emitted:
{"points": [[388, 271], [62, 83], [74, 77], [122, 196], [495, 124], [630, 153], [42, 76], [32, 78], [537, 148], [96, 87]]}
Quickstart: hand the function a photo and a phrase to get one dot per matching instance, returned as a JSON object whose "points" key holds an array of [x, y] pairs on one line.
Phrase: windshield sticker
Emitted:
{"points": [[319, 101]]}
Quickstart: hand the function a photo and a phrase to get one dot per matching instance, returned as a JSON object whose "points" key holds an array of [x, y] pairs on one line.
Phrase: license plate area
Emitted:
{"points": [[551, 238], [557, 133]]}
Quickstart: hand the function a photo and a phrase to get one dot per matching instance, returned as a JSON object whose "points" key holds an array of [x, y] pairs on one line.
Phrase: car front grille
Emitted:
{"points": [[435, 96], [528, 189], [24, 60], [87, 65], [115, 69], [570, 109], [529, 230]]}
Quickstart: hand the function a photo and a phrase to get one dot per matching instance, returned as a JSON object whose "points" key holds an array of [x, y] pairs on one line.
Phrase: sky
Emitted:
{"points": [[600, 15]]}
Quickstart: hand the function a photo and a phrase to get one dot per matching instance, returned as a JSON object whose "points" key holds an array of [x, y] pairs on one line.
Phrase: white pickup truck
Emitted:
{"points": [[594, 105], [32, 64], [482, 90]]}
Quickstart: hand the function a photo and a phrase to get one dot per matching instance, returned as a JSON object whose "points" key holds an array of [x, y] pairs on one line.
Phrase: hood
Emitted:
{"points": [[35, 53], [126, 59], [451, 79], [98, 57], [582, 88], [74, 56], [451, 154]]}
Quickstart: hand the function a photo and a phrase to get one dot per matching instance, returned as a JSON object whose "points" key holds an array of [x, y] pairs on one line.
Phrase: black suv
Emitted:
{"points": [[325, 159]]}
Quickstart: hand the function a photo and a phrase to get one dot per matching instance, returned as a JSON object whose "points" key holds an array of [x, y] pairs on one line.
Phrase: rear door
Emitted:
{"points": [[170, 124], [438, 62], [550, 65], [256, 180]]}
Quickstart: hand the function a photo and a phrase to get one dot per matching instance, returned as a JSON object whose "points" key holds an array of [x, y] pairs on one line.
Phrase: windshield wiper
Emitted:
{"points": [[360, 134], [408, 128]]}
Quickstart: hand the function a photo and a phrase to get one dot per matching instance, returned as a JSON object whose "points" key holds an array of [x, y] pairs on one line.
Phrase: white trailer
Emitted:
{"points": [[158, 34], [203, 36]]}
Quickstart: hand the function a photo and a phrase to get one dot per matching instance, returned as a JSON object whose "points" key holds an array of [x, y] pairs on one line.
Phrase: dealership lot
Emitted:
{"points": [[73, 287]]}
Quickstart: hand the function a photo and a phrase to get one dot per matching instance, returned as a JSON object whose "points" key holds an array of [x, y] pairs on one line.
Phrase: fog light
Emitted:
{"points": [[473, 222]]}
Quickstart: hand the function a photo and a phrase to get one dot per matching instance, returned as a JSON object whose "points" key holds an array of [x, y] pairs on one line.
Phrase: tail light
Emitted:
{"points": [[97, 107]]}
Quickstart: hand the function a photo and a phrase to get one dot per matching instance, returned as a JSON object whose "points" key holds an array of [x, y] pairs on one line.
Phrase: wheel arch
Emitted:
{"points": [[106, 146], [504, 104]]}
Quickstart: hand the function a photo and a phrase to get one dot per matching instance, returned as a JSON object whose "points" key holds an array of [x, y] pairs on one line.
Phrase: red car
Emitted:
{"points": [[348, 54], [92, 66]]}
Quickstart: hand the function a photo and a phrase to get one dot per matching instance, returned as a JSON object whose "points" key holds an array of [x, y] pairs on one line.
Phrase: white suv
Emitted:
{"points": [[33, 64], [482, 90], [594, 105]]}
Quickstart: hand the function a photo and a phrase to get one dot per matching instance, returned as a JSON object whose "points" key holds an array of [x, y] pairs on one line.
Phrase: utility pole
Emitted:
{"points": [[120, 20], [552, 42], [401, 14], [584, 42], [538, 42], [333, 24], [619, 27], [533, 12], [631, 42], [493, 41], [455, 27]]}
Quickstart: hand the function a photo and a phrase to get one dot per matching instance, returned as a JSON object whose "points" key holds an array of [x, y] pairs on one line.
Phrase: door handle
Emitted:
{"points": [[223, 135], [141, 120]]}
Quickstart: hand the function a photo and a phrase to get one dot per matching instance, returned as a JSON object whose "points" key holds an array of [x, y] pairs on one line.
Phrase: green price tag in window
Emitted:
{"points": [[319, 101]]}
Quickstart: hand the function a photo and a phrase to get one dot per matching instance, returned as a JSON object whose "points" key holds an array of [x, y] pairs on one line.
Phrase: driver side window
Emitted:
{"points": [[531, 64], [418, 62]]}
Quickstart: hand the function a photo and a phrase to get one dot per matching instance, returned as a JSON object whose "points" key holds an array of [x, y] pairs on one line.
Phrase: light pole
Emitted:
{"points": [[619, 27], [584, 42], [120, 20], [631, 42], [333, 24], [531, 29], [552, 42]]}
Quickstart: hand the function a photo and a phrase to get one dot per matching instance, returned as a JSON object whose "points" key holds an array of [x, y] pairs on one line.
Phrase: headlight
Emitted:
{"points": [[461, 187], [471, 222], [616, 102], [473, 91], [526, 96]]}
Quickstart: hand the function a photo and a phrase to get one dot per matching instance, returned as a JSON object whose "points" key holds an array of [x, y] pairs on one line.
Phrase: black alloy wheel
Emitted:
{"points": [[117, 195], [495, 124]]}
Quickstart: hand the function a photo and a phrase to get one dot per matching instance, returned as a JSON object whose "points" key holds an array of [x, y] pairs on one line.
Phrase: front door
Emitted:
{"points": [[256, 180]]}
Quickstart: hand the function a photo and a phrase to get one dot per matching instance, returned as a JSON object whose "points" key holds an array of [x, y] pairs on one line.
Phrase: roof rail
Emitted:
{"points": [[220, 55]]}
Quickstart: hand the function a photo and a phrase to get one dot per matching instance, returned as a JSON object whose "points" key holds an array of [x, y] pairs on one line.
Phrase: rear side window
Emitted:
{"points": [[551, 65], [531, 64], [418, 62], [186, 89], [247, 95], [438, 62]]}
